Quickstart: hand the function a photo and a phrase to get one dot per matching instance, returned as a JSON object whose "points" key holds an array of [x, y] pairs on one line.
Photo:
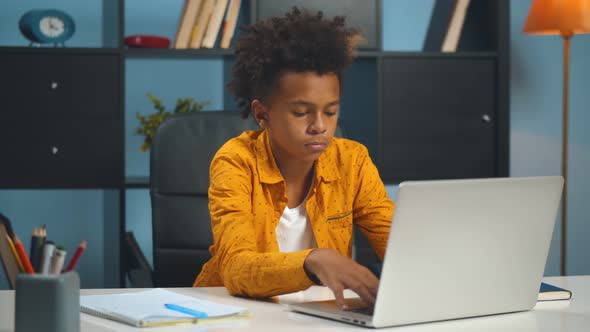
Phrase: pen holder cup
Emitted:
{"points": [[47, 302]]}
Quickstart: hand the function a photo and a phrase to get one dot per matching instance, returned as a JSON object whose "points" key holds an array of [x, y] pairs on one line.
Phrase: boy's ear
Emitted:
{"points": [[260, 113]]}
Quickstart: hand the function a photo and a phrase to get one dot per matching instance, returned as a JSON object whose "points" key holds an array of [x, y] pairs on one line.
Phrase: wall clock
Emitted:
{"points": [[47, 26]]}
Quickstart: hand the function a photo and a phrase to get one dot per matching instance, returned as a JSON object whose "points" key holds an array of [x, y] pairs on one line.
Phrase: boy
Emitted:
{"points": [[283, 199]]}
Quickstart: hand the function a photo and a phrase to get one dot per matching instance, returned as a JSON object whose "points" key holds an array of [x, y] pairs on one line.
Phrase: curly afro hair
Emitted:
{"points": [[300, 41]]}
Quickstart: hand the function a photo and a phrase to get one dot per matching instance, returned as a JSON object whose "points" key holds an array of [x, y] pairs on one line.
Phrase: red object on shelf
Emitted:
{"points": [[147, 41]]}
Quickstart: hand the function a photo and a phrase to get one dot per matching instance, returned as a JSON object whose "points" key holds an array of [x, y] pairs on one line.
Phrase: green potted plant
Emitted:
{"points": [[149, 123]]}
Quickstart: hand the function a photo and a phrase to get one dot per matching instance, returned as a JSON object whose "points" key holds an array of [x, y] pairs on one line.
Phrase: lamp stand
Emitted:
{"points": [[564, 146]]}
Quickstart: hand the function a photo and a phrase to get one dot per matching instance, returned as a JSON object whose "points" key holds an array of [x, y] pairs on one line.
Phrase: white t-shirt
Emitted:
{"points": [[294, 231]]}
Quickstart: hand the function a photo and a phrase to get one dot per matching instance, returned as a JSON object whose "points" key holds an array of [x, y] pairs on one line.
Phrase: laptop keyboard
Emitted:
{"points": [[365, 311], [355, 305]]}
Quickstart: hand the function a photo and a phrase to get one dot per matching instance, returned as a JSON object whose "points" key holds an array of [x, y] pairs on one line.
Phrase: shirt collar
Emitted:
{"points": [[268, 171]]}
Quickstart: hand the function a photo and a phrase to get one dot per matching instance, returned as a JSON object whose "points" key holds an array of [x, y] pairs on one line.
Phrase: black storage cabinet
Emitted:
{"points": [[438, 118], [60, 121]]}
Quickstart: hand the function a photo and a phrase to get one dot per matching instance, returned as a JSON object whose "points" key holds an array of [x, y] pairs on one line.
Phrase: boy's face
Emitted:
{"points": [[301, 115]]}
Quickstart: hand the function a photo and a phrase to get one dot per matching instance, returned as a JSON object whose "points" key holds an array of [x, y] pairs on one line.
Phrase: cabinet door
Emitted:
{"points": [[437, 118], [62, 123]]}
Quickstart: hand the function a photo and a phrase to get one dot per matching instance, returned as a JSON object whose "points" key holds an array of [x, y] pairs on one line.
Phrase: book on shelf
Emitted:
{"points": [[229, 24], [455, 27], [200, 26], [549, 292], [185, 28], [214, 24], [442, 13]]}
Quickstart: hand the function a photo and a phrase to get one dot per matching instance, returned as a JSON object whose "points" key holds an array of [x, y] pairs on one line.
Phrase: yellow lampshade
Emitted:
{"points": [[558, 17]]}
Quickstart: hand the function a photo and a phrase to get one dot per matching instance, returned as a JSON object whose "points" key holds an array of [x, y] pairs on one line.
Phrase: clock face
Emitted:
{"points": [[51, 26]]}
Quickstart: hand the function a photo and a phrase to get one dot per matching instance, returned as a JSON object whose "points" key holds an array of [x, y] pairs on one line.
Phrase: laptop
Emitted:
{"points": [[457, 249]]}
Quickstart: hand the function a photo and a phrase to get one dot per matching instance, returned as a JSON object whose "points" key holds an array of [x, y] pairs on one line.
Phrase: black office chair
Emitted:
{"points": [[181, 152]]}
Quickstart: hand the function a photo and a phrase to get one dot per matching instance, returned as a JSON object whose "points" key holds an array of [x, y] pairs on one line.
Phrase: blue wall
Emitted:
{"points": [[405, 24], [535, 141], [535, 130]]}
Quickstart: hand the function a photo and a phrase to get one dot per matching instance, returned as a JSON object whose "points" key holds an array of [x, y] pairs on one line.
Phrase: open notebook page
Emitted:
{"points": [[146, 308]]}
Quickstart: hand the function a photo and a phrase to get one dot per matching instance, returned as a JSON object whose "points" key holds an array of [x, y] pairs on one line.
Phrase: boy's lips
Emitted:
{"points": [[316, 146]]}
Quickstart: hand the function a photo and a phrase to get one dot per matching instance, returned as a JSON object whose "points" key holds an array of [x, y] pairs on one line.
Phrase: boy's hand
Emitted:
{"points": [[338, 273]]}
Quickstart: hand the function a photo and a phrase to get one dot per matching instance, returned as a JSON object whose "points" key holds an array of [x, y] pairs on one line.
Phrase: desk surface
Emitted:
{"points": [[573, 315]]}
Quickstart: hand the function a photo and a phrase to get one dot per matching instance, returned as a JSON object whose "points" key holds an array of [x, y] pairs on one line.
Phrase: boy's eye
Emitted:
{"points": [[330, 113], [299, 114]]}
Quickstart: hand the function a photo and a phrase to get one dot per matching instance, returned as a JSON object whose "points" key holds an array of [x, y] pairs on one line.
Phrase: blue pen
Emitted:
{"points": [[184, 310]]}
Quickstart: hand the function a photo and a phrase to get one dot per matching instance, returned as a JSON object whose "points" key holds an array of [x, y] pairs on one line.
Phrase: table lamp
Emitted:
{"points": [[565, 18]]}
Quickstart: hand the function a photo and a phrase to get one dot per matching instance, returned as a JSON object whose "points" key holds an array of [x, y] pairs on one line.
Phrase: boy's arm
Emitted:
{"points": [[245, 271], [372, 209]]}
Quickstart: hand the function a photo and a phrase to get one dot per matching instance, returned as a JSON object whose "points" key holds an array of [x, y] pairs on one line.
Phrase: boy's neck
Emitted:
{"points": [[298, 181], [293, 170]]}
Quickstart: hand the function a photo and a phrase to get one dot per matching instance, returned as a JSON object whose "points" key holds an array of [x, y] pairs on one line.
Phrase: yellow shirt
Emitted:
{"points": [[247, 196]]}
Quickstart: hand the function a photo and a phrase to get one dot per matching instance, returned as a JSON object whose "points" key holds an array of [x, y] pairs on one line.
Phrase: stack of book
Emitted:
{"points": [[203, 22]]}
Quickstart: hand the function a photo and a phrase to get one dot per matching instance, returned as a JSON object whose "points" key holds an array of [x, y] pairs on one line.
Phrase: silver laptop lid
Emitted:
{"points": [[462, 248]]}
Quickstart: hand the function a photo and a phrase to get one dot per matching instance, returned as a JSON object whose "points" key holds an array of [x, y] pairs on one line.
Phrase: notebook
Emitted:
{"points": [[7, 256], [457, 249], [147, 308], [549, 292]]}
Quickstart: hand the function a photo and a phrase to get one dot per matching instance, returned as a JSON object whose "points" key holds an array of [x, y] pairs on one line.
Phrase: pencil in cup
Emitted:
{"points": [[42, 233], [16, 256], [57, 260], [23, 255], [76, 256], [48, 251], [35, 238]]}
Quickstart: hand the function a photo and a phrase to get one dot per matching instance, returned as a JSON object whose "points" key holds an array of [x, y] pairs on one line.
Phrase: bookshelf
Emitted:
{"points": [[370, 104], [168, 53]]}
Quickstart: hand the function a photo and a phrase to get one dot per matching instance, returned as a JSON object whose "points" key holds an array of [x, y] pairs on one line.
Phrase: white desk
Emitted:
{"points": [[573, 315]]}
